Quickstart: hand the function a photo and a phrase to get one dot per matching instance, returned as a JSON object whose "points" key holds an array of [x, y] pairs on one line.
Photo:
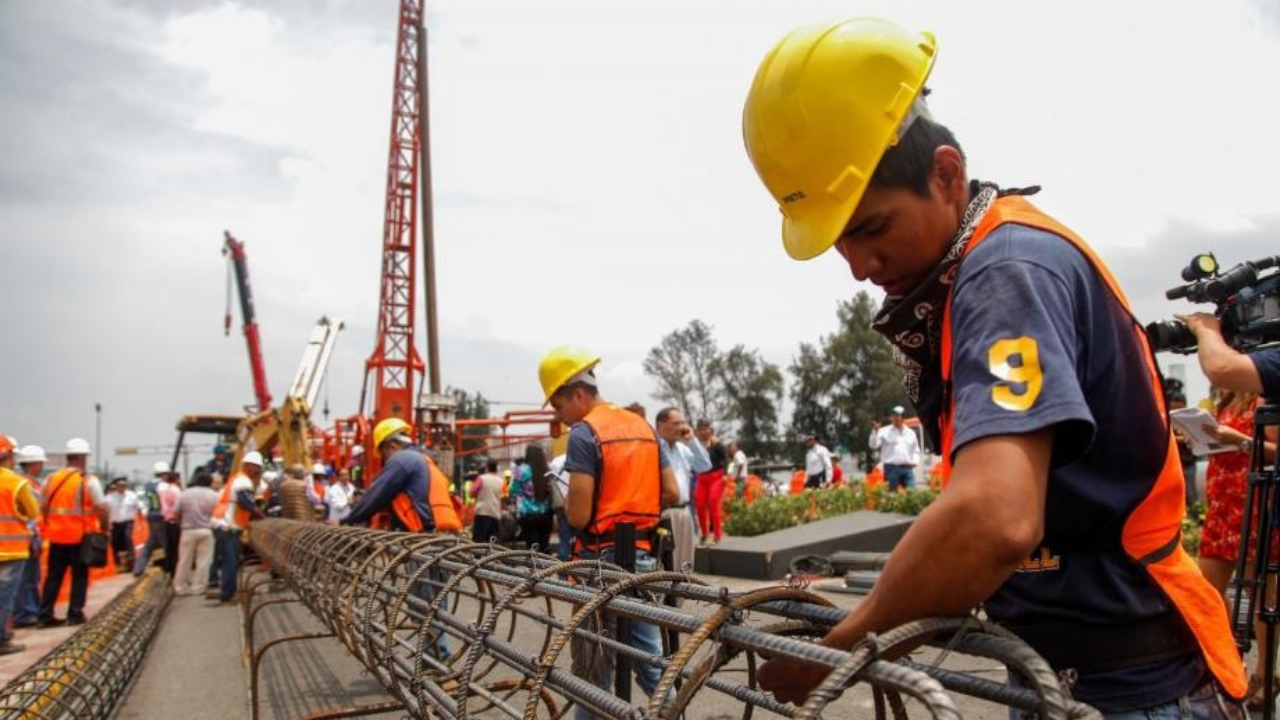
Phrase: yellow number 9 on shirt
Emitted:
{"points": [[1026, 372]]}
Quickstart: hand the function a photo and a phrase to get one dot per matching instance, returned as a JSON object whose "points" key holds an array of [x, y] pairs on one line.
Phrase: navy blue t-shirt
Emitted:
{"points": [[1267, 363], [1039, 341]]}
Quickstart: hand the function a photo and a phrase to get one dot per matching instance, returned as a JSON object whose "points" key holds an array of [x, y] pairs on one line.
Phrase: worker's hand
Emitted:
{"points": [[686, 434], [875, 425], [1201, 322], [790, 680]]}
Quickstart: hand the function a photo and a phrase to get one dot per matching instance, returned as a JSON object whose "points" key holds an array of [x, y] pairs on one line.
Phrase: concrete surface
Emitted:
{"points": [[769, 556]]}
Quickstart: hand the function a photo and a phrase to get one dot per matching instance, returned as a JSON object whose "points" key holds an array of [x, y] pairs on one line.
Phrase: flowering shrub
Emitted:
{"points": [[768, 514]]}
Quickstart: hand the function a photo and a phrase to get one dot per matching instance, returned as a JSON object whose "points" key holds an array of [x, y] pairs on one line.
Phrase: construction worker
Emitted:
{"points": [[124, 506], [18, 509], [26, 609], [1028, 371], [74, 505], [410, 485], [316, 489], [231, 516], [155, 516], [619, 472]]}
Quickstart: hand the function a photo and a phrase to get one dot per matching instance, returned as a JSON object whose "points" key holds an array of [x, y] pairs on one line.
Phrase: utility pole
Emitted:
{"points": [[97, 438]]}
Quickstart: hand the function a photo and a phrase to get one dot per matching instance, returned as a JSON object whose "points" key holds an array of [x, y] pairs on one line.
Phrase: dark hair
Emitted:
{"points": [[592, 390], [203, 478], [664, 414], [491, 466], [536, 457], [909, 163]]}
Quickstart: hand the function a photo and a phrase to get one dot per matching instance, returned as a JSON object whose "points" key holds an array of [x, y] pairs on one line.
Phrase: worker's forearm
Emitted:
{"points": [[946, 564], [1224, 366]]}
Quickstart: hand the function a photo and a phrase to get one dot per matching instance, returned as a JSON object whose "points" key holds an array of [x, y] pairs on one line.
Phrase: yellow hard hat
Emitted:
{"points": [[560, 365], [389, 427], [826, 103]]}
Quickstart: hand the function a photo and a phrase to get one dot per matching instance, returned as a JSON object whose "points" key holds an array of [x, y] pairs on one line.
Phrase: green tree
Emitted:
{"points": [[471, 407], [865, 381], [683, 365], [812, 413], [752, 389], [845, 382]]}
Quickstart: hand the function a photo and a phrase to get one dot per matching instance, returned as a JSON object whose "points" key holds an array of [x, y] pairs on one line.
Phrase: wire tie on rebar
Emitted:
{"points": [[959, 635], [724, 595]]}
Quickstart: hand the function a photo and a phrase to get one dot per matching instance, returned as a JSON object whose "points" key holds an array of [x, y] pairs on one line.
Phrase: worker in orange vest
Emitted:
{"points": [[74, 504], [26, 611], [410, 485], [231, 517], [18, 507], [619, 472], [1030, 374]]}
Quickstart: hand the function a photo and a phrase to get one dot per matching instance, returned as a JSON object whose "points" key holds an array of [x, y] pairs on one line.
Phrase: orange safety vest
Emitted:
{"points": [[15, 537], [438, 497], [1153, 530], [242, 516], [68, 511], [628, 484]]}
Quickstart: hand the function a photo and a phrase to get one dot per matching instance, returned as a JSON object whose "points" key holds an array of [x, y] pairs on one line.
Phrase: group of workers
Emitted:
{"points": [[60, 509]]}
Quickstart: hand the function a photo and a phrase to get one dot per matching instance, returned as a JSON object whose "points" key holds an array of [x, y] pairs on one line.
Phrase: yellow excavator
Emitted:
{"points": [[287, 427]]}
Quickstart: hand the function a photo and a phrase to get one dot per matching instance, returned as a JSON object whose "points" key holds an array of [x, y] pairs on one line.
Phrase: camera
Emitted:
{"points": [[1247, 304]]}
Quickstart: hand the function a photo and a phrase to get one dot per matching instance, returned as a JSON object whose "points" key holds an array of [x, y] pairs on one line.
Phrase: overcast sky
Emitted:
{"points": [[591, 185]]}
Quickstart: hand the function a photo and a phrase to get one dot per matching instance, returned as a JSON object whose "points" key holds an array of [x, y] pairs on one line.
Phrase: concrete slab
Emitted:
{"points": [[768, 556], [194, 668]]}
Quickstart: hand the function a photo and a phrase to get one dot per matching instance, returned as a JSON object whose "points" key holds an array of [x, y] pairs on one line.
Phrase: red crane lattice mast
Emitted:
{"points": [[395, 364]]}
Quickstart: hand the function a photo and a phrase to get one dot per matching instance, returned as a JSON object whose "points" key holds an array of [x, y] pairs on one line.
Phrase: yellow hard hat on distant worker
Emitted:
{"points": [[826, 103], [389, 427], [561, 364]]}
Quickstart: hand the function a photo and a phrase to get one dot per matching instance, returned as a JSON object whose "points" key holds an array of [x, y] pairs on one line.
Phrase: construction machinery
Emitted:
{"points": [[288, 427], [238, 265]]}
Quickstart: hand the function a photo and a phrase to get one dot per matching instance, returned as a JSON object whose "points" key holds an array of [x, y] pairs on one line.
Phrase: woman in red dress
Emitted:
{"points": [[1225, 491]]}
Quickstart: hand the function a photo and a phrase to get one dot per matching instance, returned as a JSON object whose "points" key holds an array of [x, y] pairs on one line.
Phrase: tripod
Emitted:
{"points": [[1263, 498]]}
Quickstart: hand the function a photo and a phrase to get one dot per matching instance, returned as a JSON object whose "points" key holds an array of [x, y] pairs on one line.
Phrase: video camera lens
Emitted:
{"points": [[1174, 335]]}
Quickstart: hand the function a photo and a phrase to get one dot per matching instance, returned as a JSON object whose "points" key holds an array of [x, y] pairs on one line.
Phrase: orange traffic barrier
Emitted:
{"points": [[797, 482]]}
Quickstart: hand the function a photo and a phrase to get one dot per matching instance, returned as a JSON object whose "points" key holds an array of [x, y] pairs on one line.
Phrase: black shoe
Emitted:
{"points": [[43, 623], [25, 623], [76, 619], [10, 648]]}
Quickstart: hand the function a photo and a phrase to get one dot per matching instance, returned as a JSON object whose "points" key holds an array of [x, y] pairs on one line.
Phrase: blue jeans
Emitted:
{"points": [[155, 539], [26, 607], [899, 476], [644, 637], [565, 551], [227, 547], [10, 581]]}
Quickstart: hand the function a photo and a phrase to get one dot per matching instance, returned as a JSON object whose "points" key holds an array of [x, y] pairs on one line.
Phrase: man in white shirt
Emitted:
{"points": [[339, 497], [124, 505], [738, 469], [687, 456], [899, 450], [817, 464], [487, 492]]}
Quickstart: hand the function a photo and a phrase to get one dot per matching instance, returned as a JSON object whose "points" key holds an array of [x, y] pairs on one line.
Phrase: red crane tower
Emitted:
{"points": [[395, 363], [234, 250]]}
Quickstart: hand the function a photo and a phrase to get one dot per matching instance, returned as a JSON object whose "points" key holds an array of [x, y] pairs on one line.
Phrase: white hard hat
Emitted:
{"points": [[269, 475], [357, 451], [31, 454], [253, 457], [319, 469], [78, 446], [160, 468]]}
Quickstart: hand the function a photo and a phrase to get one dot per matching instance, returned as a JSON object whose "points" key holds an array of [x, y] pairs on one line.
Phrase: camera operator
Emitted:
{"points": [[1228, 368]]}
